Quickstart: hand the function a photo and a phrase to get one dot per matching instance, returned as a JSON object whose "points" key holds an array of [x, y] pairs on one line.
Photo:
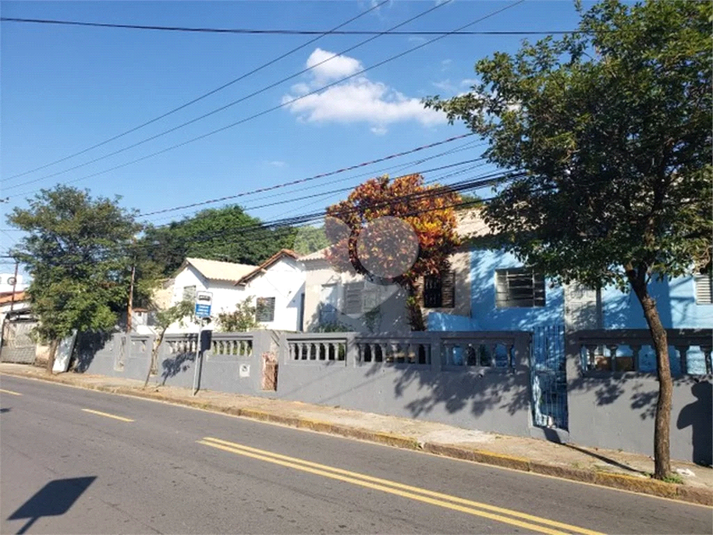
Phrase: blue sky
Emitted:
{"points": [[67, 88]]}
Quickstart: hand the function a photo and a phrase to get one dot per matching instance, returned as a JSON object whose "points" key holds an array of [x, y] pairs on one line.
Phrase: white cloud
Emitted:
{"points": [[327, 66], [445, 85], [469, 82], [358, 100], [446, 64], [277, 163]]}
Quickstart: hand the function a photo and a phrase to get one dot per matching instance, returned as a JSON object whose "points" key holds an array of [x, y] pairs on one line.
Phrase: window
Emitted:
{"points": [[519, 287], [353, 295], [439, 290], [704, 284], [265, 309], [189, 293]]}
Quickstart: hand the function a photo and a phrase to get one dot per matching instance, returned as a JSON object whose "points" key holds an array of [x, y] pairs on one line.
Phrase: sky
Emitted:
{"points": [[65, 88]]}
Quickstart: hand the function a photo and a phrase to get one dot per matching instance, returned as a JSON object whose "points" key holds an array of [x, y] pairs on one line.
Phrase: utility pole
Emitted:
{"points": [[130, 309], [14, 286]]}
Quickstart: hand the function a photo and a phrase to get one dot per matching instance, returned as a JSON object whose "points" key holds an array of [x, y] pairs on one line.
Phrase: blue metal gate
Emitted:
{"points": [[549, 378]]}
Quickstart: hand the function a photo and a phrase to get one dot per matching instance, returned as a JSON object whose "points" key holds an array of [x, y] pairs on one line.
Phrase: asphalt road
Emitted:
{"points": [[78, 461]]}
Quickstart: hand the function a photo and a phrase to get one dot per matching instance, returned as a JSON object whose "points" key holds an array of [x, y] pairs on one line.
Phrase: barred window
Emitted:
{"points": [[189, 293], [519, 287], [265, 309], [439, 290]]}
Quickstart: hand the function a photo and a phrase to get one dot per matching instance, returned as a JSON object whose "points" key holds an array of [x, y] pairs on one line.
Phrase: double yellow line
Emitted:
{"points": [[491, 512]]}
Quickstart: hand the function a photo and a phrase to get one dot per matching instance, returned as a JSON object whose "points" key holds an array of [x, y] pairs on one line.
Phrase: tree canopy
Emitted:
{"points": [[227, 234], [612, 128], [78, 250]]}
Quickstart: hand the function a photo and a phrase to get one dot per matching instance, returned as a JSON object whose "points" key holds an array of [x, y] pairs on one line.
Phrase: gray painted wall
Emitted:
{"points": [[616, 410], [608, 410]]}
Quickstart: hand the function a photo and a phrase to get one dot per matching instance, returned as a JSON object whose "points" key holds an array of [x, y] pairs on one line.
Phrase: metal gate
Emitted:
{"points": [[18, 344], [549, 378]]}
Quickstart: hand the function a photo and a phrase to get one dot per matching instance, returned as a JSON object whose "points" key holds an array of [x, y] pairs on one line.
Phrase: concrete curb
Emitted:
{"points": [[651, 487]]}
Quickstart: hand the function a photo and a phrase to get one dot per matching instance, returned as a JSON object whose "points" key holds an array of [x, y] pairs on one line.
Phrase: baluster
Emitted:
{"points": [[612, 355], [591, 356], [493, 355], [683, 357], [707, 357], [636, 355]]}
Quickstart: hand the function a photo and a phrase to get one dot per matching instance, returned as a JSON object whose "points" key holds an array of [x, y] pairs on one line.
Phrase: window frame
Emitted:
{"points": [[260, 308], [509, 280]]}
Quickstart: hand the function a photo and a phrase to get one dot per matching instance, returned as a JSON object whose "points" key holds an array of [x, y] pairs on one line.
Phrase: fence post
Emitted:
{"points": [[436, 351]]}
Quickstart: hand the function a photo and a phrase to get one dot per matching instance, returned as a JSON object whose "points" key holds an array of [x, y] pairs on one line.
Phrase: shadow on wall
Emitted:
{"points": [[88, 345], [177, 364], [697, 415], [477, 392], [54, 499]]}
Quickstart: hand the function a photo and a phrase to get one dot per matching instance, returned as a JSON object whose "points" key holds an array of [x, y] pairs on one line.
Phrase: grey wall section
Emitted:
{"points": [[220, 372], [606, 409], [616, 410], [497, 401], [114, 355]]}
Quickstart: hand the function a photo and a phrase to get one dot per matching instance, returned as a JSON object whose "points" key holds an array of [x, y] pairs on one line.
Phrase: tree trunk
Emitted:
{"points": [[413, 308], [662, 425], [54, 344], [154, 357]]}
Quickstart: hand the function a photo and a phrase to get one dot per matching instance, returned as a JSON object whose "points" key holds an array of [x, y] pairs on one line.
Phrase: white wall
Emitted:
{"points": [[225, 295], [284, 281]]}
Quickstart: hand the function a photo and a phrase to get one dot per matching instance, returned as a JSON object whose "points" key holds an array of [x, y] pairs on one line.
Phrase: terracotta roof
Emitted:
{"points": [[266, 264], [218, 271], [19, 296], [317, 255]]}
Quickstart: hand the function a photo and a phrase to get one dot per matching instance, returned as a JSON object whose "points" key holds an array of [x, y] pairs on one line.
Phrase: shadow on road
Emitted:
{"points": [[54, 499]]}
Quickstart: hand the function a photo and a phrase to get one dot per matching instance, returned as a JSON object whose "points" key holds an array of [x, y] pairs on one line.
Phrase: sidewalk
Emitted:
{"points": [[616, 469]]}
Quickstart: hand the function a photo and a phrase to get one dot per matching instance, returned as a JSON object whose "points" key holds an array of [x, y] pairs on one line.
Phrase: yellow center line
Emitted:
{"points": [[108, 415], [415, 493], [9, 392]]}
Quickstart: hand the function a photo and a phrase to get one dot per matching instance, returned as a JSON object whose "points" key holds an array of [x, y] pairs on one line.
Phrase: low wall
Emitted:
{"points": [[611, 409], [421, 375]]}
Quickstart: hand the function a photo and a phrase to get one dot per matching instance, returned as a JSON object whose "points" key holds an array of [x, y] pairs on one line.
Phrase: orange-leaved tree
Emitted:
{"points": [[394, 230]]}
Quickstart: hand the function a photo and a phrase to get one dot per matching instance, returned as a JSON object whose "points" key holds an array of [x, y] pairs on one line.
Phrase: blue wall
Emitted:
{"points": [[485, 316], [676, 303]]}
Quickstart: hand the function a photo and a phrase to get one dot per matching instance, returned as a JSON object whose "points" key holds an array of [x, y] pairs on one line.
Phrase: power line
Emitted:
{"points": [[222, 108], [275, 31], [291, 222], [350, 188], [372, 173], [307, 179], [199, 98], [287, 103]]}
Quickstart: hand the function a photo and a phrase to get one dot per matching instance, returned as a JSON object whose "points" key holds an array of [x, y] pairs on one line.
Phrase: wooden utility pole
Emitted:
{"points": [[130, 309], [14, 287]]}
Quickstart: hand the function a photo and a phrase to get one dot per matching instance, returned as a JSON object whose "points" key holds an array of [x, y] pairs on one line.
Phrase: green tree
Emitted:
{"points": [[227, 234], [309, 239], [77, 251], [177, 313], [612, 127], [242, 319]]}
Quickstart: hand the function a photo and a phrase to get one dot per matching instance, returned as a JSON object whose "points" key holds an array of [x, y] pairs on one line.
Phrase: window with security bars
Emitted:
{"points": [[519, 287], [361, 297], [189, 293], [265, 309], [704, 287], [439, 290]]}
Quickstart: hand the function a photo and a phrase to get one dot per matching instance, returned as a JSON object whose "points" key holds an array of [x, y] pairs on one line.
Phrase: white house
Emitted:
{"points": [[277, 286]]}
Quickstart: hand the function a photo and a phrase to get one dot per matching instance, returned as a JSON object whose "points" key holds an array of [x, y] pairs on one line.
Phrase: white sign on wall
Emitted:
{"points": [[244, 370]]}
